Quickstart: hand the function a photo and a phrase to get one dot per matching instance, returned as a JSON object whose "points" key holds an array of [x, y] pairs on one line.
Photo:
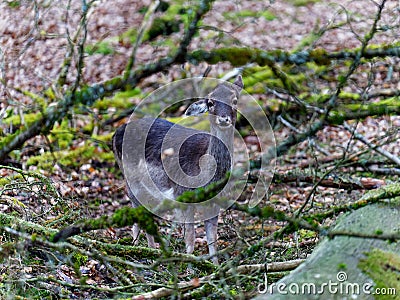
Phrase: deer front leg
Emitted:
{"points": [[186, 216], [135, 234], [211, 227]]}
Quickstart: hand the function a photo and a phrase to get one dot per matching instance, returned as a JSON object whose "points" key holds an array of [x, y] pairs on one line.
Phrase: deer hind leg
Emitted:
{"points": [[135, 228], [189, 233], [211, 227], [135, 234]]}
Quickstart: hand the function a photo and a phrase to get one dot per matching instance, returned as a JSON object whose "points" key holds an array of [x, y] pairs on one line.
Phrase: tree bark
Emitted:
{"points": [[349, 265]]}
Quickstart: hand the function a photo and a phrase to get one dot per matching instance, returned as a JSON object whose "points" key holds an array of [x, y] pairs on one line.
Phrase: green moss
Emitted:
{"points": [[258, 75], [79, 259], [316, 68], [62, 135], [49, 93], [203, 193], [8, 138], [389, 191], [321, 99], [125, 216], [71, 158], [383, 267], [306, 234], [5, 180], [30, 292], [15, 120], [320, 56], [351, 96], [104, 137], [162, 26], [236, 56], [169, 22], [14, 4], [119, 100], [346, 111], [88, 128], [8, 179], [267, 15], [190, 122], [306, 41], [302, 2], [245, 13], [103, 47], [138, 215], [130, 34]]}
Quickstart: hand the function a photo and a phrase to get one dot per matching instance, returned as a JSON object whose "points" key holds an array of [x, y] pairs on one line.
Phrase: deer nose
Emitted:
{"points": [[224, 121]]}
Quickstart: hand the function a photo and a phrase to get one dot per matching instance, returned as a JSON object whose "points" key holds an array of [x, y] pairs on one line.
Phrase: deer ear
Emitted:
{"points": [[197, 108], [239, 82]]}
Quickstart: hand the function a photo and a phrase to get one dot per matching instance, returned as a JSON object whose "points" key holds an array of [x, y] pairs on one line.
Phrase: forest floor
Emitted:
{"points": [[81, 164]]}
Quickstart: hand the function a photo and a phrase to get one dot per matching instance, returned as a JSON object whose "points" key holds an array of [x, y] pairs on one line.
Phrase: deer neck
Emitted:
{"points": [[220, 142]]}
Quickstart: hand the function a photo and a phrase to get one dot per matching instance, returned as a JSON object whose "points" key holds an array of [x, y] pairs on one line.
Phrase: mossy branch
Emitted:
{"points": [[391, 237], [341, 182], [383, 193], [126, 216], [36, 231], [270, 212], [202, 194], [311, 222], [239, 56]]}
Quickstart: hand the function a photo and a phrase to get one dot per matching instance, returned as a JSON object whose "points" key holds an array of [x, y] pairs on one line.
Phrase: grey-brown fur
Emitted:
{"points": [[221, 105]]}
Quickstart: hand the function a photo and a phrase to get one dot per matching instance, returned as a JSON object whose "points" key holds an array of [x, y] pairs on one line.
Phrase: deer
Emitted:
{"points": [[221, 105]]}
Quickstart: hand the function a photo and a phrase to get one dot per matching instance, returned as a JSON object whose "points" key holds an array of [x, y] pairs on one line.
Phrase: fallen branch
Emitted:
{"points": [[198, 282], [391, 237], [385, 171], [270, 267], [331, 181], [125, 216]]}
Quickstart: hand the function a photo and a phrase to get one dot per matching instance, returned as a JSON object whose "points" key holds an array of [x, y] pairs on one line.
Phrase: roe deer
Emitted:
{"points": [[195, 145]]}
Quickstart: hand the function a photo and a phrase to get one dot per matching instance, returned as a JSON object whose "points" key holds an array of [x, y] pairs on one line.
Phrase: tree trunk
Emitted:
{"points": [[349, 267]]}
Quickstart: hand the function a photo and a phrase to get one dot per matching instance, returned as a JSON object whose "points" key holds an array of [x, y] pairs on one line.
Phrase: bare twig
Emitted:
{"points": [[147, 20], [371, 145], [81, 44]]}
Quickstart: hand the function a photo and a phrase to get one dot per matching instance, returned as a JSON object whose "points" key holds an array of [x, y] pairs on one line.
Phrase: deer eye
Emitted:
{"points": [[210, 103], [234, 101]]}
